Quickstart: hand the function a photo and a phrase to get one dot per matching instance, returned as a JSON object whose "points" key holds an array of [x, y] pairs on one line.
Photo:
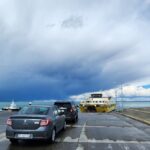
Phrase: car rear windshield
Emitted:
{"points": [[61, 104], [34, 110]]}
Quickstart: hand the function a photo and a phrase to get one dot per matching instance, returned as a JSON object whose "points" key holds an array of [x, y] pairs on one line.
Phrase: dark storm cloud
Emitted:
{"points": [[54, 49]]}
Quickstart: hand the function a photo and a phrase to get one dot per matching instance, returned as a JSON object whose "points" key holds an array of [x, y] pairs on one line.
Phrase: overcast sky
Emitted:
{"points": [[55, 49]]}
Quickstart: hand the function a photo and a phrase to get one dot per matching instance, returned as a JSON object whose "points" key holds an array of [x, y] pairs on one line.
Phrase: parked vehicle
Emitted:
{"points": [[70, 110], [35, 122]]}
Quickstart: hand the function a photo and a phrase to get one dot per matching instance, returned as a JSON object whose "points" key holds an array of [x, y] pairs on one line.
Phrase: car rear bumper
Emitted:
{"points": [[41, 133], [70, 117]]}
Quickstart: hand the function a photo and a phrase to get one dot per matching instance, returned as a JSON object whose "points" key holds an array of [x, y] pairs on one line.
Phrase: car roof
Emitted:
{"points": [[63, 102], [40, 106]]}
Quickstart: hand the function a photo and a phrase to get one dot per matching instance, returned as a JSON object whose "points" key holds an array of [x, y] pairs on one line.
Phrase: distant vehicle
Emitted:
{"points": [[70, 110], [35, 122], [12, 107]]}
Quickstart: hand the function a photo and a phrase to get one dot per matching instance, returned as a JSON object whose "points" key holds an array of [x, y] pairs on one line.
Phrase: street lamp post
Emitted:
{"points": [[121, 97], [116, 98]]}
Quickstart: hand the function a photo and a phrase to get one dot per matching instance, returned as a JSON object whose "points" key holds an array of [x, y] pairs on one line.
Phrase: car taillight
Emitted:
{"points": [[45, 122], [9, 122]]}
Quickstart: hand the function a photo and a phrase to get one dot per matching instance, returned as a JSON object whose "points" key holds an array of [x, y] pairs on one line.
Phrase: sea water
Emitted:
{"points": [[120, 102], [25, 103]]}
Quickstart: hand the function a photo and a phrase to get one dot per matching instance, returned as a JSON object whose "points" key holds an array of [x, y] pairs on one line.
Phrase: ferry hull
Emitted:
{"points": [[93, 108]]}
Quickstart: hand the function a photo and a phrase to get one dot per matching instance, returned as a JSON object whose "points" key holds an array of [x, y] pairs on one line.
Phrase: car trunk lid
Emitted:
{"points": [[26, 122]]}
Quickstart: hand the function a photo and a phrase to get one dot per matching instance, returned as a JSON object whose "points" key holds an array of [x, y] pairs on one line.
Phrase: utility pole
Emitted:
{"points": [[121, 97], [116, 98]]}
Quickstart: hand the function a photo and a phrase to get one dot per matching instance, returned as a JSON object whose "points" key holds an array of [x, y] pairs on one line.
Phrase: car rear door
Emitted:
{"points": [[58, 119]]}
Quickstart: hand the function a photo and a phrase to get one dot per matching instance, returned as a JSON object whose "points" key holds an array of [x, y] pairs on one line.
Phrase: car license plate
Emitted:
{"points": [[24, 135]]}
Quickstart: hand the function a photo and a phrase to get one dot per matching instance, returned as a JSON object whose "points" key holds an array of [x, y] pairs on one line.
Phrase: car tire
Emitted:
{"points": [[64, 127], [53, 136], [13, 141], [75, 120]]}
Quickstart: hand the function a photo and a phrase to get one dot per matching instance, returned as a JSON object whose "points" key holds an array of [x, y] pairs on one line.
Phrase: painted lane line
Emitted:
{"points": [[110, 147], [69, 139], [80, 147], [2, 135], [106, 141], [3, 139], [88, 126], [83, 136]]}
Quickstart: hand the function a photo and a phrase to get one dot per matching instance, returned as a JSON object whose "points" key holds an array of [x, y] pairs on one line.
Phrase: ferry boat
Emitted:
{"points": [[97, 103], [12, 107]]}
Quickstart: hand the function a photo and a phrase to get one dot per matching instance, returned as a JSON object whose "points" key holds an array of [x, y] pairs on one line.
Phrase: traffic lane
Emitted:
{"points": [[116, 127], [71, 134], [102, 119], [67, 139], [39, 145], [42, 146], [2, 128], [114, 146], [79, 136], [3, 117], [117, 133], [107, 123], [76, 146]]}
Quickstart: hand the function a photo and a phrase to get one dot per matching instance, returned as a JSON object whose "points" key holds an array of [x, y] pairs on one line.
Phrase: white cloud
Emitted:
{"points": [[125, 91]]}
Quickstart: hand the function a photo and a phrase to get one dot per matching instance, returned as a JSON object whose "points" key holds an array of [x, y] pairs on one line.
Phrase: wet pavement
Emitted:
{"points": [[140, 114], [93, 131]]}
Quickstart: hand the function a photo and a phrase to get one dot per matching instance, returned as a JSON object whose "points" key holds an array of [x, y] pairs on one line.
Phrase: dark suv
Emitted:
{"points": [[70, 110]]}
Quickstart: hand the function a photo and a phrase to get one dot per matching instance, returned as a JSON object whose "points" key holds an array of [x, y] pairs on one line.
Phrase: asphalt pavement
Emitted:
{"points": [[93, 131]]}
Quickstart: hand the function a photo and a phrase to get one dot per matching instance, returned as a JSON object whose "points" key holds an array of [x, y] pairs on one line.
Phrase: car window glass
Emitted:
{"points": [[66, 105], [55, 112], [34, 110]]}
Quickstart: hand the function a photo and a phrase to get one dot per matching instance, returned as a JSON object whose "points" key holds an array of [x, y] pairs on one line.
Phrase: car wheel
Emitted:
{"points": [[13, 141], [53, 136], [77, 117], [75, 120], [64, 127]]}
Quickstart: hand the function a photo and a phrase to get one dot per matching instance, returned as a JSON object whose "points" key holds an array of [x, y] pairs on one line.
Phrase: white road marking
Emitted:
{"points": [[68, 139], [106, 141], [141, 147], [83, 139], [2, 137], [126, 147], [109, 147], [98, 126], [83, 136], [80, 147]]}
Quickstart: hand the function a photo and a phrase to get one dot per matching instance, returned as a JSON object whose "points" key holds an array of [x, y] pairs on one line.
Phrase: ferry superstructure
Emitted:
{"points": [[97, 103]]}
